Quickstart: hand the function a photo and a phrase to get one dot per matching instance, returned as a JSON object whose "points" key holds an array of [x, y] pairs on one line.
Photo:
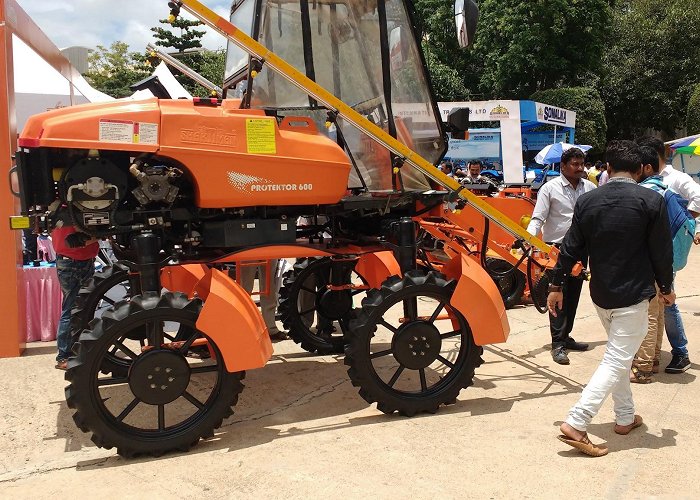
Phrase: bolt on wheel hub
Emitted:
{"points": [[159, 376], [416, 345]]}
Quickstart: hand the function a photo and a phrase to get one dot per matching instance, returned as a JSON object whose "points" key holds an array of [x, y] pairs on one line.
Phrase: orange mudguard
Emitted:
{"points": [[376, 267], [478, 299], [183, 278], [229, 317]]}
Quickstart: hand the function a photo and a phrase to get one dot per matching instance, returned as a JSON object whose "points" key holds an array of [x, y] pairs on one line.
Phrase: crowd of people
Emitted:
{"points": [[632, 196], [632, 285]]}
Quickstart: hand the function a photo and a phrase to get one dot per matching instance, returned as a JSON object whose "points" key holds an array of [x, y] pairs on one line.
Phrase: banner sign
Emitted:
{"points": [[483, 111]]}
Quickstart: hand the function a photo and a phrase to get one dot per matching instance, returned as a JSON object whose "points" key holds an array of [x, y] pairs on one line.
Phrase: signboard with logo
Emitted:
{"points": [[545, 113], [513, 145], [484, 111]]}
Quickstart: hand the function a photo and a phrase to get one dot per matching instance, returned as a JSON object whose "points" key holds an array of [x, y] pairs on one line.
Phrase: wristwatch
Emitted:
{"points": [[554, 288]]}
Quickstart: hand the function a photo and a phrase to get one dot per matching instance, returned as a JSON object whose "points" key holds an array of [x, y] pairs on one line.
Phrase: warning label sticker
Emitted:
{"points": [[128, 132], [260, 135], [148, 133]]}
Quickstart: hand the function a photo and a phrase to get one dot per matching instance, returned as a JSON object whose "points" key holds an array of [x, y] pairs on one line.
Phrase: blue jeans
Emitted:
{"points": [[675, 331], [72, 275]]}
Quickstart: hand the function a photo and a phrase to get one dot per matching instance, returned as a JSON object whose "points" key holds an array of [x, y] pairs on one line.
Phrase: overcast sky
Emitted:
{"points": [[100, 22]]}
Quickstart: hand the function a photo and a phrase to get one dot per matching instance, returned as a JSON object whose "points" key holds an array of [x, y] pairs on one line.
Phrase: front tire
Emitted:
{"points": [[166, 401]]}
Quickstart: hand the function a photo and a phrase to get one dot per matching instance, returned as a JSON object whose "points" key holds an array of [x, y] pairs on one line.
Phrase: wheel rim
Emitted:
{"points": [[181, 405], [428, 326]]}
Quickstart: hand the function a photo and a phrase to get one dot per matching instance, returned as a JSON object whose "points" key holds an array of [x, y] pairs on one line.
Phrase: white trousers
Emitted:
{"points": [[626, 328]]}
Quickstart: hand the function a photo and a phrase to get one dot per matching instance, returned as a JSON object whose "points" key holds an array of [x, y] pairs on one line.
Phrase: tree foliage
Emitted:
{"points": [[448, 85], [451, 68], [188, 38], [209, 64], [591, 127], [112, 70], [540, 44], [692, 121], [650, 66]]}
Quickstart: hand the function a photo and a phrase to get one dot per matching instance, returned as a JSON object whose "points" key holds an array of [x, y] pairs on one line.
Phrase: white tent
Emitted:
{"points": [[174, 88], [39, 87]]}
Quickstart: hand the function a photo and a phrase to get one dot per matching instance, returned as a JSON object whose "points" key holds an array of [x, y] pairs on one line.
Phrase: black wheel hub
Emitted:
{"points": [[417, 344], [159, 377], [334, 304]]}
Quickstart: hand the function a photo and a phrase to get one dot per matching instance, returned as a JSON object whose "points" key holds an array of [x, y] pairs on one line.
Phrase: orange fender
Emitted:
{"points": [[376, 267], [182, 278], [229, 317], [478, 299]]}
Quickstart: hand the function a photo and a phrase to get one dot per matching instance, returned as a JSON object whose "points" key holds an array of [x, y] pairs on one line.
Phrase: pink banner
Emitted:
{"points": [[43, 302]]}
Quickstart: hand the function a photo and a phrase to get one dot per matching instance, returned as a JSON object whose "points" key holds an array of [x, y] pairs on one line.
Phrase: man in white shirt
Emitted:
{"points": [[684, 185], [689, 190], [553, 213]]}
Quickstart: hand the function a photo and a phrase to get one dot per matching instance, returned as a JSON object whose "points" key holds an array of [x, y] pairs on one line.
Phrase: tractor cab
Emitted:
{"points": [[364, 51]]}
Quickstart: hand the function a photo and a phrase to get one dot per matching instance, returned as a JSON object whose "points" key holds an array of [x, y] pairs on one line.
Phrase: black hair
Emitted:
{"points": [[649, 156], [572, 153], [598, 164], [477, 162], [447, 164], [655, 143], [623, 156]]}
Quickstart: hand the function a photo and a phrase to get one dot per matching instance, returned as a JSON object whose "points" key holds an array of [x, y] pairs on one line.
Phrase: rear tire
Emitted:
{"points": [[511, 287], [107, 287], [310, 312], [415, 349]]}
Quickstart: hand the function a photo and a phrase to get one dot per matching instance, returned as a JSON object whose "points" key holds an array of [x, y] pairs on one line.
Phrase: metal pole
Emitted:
{"points": [[12, 304], [186, 70]]}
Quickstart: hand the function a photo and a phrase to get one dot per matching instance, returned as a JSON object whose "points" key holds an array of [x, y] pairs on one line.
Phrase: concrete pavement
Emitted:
{"points": [[301, 431]]}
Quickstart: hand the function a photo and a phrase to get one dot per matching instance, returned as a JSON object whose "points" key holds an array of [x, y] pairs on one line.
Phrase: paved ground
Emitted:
{"points": [[300, 430]]}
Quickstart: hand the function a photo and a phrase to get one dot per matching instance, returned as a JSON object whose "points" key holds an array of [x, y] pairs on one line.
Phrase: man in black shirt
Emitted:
{"points": [[624, 230]]}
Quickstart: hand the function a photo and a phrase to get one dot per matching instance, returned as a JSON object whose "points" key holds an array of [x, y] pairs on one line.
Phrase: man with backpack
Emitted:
{"points": [[688, 190], [682, 225]]}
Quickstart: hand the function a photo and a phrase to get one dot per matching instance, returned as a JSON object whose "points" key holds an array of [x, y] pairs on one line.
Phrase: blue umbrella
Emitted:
{"points": [[552, 153]]}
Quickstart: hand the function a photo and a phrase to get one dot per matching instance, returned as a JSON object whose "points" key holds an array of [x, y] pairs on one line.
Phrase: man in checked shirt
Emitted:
{"points": [[552, 214]]}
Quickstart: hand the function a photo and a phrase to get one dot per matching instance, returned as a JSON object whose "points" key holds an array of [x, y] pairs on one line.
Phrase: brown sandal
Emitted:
{"points": [[584, 445], [623, 430], [638, 376]]}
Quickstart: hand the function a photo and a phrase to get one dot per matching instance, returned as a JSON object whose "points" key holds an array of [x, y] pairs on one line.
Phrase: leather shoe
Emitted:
{"points": [[572, 345], [559, 356]]}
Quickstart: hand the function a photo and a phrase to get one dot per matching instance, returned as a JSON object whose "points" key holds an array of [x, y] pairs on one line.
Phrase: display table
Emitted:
{"points": [[43, 302]]}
